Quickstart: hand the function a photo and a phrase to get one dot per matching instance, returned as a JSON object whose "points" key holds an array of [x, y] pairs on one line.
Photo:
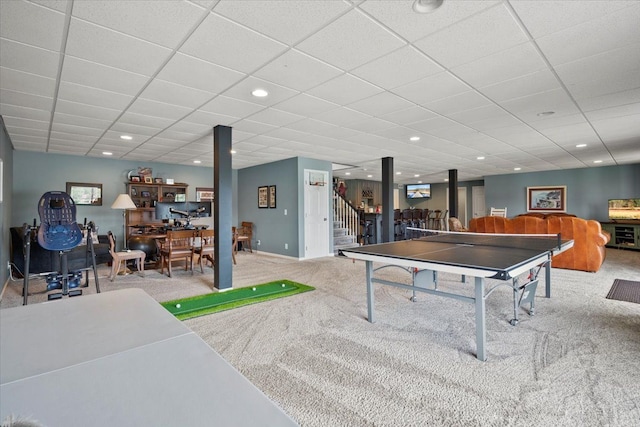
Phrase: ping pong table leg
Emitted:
{"points": [[547, 279], [370, 296], [480, 320]]}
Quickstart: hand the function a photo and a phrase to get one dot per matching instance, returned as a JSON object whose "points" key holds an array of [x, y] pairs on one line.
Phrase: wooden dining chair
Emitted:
{"points": [[177, 245], [204, 247], [118, 258], [245, 234]]}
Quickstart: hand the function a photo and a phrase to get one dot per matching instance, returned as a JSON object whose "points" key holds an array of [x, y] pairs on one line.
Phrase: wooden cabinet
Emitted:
{"points": [[146, 196], [623, 235]]}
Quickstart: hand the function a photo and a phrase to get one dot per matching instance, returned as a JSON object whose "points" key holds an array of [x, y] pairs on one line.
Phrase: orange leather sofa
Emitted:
{"points": [[588, 252]]}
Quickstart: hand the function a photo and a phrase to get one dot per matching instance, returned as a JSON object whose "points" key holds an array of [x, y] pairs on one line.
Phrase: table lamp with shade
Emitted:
{"points": [[124, 202]]}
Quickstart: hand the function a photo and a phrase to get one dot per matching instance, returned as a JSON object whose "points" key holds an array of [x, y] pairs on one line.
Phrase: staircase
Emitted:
{"points": [[346, 224]]}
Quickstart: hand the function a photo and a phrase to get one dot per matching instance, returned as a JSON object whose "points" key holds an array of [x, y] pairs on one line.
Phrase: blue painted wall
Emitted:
{"points": [[36, 173], [588, 189], [271, 226]]}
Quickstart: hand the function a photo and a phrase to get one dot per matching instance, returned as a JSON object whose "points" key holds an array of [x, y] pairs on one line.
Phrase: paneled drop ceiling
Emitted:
{"points": [[524, 85]]}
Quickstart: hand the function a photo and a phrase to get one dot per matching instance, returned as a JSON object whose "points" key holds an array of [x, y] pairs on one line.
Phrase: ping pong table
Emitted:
{"points": [[119, 358], [479, 255]]}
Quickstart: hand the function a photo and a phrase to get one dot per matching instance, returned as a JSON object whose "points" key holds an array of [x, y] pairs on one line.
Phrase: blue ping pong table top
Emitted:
{"points": [[499, 253]]}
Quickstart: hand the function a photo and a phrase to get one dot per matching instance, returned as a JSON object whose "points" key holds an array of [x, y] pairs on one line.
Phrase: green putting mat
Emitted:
{"points": [[200, 305]]}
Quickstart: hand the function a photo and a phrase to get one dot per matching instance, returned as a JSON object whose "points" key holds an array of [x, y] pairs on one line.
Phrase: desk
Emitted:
{"points": [[119, 359], [480, 255]]}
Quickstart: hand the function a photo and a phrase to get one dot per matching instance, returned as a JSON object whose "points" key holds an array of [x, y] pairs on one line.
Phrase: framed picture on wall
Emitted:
{"points": [[263, 197], [272, 196], [84, 193], [547, 199], [204, 194]]}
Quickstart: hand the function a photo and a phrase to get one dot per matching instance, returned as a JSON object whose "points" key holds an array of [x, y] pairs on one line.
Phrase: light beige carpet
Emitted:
{"points": [[575, 363]]}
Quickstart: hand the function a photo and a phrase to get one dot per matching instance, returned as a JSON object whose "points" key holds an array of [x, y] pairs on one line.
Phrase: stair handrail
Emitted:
{"points": [[346, 213]]}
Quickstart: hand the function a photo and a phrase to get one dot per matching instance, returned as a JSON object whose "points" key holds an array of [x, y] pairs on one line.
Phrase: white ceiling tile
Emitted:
{"points": [[136, 131], [401, 18], [164, 23], [528, 107], [380, 104], [410, 115], [305, 104], [547, 17], [28, 59], [438, 86], [518, 61], [210, 119], [77, 130], [298, 71], [613, 112], [398, 68], [370, 124], [91, 74], [217, 40], [312, 126], [610, 100], [84, 110], [284, 20], [253, 127], [469, 100], [344, 90], [540, 81], [593, 37], [481, 35], [152, 108], [275, 117], [31, 24], [26, 83], [19, 112], [26, 100], [94, 43], [607, 85], [231, 106], [18, 131], [146, 121], [80, 121], [171, 93], [198, 74], [24, 121], [341, 116], [367, 41], [619, 128], [93, 96]]}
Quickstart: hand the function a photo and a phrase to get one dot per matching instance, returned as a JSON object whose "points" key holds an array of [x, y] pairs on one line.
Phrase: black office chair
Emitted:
{"points": [[60, 232]]}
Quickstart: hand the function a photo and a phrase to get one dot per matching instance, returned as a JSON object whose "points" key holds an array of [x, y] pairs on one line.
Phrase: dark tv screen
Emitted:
{"points": [[418, 191]]}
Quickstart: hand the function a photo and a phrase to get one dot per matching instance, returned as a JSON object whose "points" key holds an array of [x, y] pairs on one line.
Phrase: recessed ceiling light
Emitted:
{"points": [[233, 151], [480, 157], [126, 137], [107, 153], [259, 93], [369, 176], [517, 169], [197, 162], [416, 175], [546, 113], [398, 173], [446, 180], [347, 173], [597, 161], [581, 145], [419, 182], [414, 138]]}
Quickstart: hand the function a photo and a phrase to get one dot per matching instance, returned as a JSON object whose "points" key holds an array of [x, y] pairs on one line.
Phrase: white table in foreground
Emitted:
{"points": [[119, 359]]}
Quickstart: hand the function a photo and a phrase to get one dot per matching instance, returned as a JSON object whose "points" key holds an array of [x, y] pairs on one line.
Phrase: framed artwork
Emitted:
{"points": [[204, 194], [135, 178], [547, 199], [181, 197], [84, 193], [148, 180], [145, 194], [263, 197], [272, 196], [157, 180]]}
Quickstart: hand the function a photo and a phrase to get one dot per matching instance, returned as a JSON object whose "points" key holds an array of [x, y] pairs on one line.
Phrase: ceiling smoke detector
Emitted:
{"points": [[426, 6]]}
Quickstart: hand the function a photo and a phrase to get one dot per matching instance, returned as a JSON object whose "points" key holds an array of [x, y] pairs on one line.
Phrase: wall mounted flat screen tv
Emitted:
{"points": [[624, 209], [418, 191]]}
